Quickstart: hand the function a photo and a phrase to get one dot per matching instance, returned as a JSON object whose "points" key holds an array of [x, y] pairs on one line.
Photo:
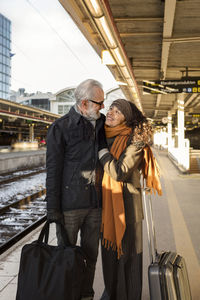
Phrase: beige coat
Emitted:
{"points": [[127, 170]]}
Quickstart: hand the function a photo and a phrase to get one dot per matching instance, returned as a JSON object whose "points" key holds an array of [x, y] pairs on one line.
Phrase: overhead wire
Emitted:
{"points": [[22, 52], [22, 82], [58, 35]]}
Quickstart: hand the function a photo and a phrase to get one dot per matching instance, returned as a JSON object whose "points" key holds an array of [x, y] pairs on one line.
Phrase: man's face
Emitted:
{"points": [[93, 109]]}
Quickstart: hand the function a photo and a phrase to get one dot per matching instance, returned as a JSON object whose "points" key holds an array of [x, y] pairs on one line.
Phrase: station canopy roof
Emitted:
{"points": [[154, 46], [12, 111]]}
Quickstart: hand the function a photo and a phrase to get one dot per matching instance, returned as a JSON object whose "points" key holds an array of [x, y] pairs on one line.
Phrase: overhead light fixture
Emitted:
{"points": [[130, 81], [94, 8], [105, 30], [125, 72], [106, 58], [121, 83], [117, 55], [133, 90]]}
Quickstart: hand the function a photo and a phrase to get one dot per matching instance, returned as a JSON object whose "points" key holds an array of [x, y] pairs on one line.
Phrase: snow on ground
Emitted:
{"points": [[22, 188]]}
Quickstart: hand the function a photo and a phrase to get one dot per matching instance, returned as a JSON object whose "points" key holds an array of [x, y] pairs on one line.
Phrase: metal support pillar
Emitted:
{"points": [[19, 137], [31, 133], [181, 120], [169, 130]]}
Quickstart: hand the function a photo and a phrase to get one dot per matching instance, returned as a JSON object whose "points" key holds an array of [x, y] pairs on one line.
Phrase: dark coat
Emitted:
{"points": [[74, 173]]}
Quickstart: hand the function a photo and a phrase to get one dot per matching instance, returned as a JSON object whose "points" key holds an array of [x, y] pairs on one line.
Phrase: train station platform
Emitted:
{"points": [[17, 160], [177, 224]]}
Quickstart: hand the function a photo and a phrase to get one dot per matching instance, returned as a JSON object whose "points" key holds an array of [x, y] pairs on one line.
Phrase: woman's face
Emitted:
{"points": [[114, 117]]}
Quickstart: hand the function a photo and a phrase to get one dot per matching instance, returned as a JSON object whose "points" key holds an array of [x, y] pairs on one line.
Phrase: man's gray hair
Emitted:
{"points": [[85, 90]]}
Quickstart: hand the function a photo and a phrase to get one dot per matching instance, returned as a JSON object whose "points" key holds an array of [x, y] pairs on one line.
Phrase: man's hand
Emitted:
{"points": [[54, 215]]}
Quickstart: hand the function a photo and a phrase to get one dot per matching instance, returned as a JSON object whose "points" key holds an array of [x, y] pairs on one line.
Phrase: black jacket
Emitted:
{"points": [[74, 173]]}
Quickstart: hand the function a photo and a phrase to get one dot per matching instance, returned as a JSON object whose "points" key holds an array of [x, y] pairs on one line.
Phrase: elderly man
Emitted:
{"points": [[74, 174]]}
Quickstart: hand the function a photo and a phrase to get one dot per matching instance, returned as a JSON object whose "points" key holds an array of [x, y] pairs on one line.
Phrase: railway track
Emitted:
{"points": [[14, 176], [20, 217]]}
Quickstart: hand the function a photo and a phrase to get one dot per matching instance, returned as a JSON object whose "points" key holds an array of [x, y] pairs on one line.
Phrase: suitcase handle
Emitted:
{"points": [[153, 253]]}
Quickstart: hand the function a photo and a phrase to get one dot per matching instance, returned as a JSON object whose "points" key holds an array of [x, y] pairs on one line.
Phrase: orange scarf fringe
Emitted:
{"points": [[151, 171]]}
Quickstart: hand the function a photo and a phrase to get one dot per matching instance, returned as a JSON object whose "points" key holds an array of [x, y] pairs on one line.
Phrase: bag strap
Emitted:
{"points": [[44, 234], [153, 253]]}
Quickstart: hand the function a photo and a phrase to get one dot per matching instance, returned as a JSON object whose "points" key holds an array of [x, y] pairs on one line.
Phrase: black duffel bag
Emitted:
{"points": [[50, 272]]}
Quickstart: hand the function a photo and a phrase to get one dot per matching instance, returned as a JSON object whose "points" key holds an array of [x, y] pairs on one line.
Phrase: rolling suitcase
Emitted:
{"points": [[167, 272]]}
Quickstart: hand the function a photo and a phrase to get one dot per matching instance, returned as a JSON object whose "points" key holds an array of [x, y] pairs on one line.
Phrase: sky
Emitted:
{"points": [[50, 51]]}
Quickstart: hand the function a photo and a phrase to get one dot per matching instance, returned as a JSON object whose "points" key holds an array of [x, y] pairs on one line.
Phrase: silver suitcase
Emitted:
{"points": [[167, 272]]}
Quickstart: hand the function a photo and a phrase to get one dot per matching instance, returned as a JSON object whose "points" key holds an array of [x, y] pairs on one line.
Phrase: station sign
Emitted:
{"points": [[194, 115], [186, 85]]}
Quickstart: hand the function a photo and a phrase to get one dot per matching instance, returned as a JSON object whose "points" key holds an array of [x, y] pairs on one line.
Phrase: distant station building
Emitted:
{"points": [[39, 100], [111, 95], [63, 101], [5, 57]]}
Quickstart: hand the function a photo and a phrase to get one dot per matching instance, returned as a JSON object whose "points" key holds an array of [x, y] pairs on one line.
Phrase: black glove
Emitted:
{"points": [[102, 143], [54, 215]]}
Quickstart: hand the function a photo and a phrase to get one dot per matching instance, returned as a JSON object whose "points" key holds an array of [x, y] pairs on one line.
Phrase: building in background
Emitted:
{"points": [[20, 93], [5, 57], [63, 101], [38, 99], [110, 96]]}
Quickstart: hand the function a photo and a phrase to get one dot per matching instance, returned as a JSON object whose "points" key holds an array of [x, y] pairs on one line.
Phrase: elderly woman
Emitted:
{"points": [[128, 134]]}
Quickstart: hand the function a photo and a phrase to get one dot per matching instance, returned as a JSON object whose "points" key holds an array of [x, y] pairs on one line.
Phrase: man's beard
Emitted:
{"points": [[91, 113]]}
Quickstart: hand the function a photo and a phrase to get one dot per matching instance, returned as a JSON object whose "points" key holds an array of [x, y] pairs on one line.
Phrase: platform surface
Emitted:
{"points": [[177, 223]]}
